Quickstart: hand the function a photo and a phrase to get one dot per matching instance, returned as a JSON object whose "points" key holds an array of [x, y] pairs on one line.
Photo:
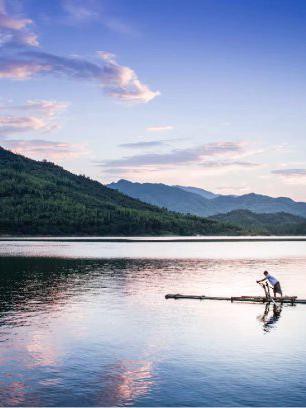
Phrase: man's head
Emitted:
{"points": [[266, 273]]}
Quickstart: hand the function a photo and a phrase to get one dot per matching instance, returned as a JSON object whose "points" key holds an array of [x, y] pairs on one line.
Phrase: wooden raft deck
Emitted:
{"points": [[253, 299]]}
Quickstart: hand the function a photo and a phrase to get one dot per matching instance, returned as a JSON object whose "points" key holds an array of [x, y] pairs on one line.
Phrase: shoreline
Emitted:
{"points": [[157, 239]]}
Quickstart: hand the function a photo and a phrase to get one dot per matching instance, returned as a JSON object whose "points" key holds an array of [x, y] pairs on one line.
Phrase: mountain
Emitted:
{"points": [[275, 224], [170, 197], [194, 203], [43, 198], [200, 191], [259, 204]]}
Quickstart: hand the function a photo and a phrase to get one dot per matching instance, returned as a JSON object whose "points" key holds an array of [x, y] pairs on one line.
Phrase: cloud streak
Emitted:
{"points": [[45, 149], [118, 81], [195, 155], [87, 11], [138, 145], [159, 128], [41, 118], [291, 176], [290, 172], [20, 60], [21, 124], [229, 163], [45, 107]]}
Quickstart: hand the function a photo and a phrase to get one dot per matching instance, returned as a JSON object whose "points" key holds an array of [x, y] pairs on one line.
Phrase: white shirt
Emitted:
{"points": [[272, 280]]}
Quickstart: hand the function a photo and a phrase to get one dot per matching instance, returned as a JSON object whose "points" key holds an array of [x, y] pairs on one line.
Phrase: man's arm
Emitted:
{"points": [[261, 280]]}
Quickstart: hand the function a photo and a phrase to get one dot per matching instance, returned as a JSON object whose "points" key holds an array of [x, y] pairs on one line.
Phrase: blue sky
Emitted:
{"points": [[203, 93]]}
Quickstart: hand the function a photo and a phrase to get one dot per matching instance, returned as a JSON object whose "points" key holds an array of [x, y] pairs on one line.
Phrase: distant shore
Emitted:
{"points": [[155, 239]]}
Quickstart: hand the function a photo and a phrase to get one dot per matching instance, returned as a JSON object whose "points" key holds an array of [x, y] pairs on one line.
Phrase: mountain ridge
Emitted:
{"points": [[200, 191], [41, 198], [167, 196]]}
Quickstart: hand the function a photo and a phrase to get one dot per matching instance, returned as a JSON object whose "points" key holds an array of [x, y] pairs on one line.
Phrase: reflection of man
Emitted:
{"points": [[269, 322], [273, 281]]}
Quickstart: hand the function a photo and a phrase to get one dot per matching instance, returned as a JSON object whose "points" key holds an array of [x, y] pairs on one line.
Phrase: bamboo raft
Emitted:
{"points": [[252, 299]]}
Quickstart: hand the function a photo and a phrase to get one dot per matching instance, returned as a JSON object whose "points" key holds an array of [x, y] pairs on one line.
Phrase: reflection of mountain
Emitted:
{"points": [[41, 285], [31, 285], [38, 284]]}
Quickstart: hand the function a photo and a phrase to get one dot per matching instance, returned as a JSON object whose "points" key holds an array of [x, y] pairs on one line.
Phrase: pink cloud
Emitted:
{"points": [[16, 30], [20, 70], [45, 107], [118, 81], [194, 155], [40, 120], [46, 149], [20, 124], [122, 82], [13, 23]]}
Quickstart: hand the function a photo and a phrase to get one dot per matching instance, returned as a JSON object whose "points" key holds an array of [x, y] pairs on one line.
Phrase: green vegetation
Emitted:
{"points": [[40, 198], [265, 224]]}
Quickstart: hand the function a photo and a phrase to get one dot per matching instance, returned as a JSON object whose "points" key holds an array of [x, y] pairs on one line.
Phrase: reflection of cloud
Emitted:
{"points": [[135, 379], [15, 392], [42, 351], [125, 382]]}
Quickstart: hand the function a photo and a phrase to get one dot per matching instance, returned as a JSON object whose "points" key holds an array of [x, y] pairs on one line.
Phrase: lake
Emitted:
{"points": [[87, 324]]}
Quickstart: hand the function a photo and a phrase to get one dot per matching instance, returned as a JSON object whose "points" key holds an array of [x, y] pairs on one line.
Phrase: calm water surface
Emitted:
{"points": [[87, 324]]}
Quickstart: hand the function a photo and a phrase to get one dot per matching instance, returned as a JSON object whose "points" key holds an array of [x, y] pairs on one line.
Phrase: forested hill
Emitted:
{"points": [[43, 198], [262, 224]]}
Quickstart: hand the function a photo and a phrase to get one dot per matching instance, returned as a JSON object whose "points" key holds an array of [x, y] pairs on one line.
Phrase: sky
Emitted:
{"points": [[205, 93]]}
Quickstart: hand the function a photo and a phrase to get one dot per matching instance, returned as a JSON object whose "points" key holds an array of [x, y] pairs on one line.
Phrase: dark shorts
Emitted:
{"points": [[277, 288]]}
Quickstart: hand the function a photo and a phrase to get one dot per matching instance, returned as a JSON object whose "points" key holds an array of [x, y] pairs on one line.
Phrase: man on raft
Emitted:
{"points": [[273, 281]]}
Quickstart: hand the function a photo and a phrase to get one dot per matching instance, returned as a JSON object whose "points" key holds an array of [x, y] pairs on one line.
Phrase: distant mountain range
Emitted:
{"points": [[200, 202], [43, 198]]}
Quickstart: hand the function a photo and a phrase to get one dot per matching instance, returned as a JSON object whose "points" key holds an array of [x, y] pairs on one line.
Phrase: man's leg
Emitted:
{"points": [[280, 290], [277, 289]]}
